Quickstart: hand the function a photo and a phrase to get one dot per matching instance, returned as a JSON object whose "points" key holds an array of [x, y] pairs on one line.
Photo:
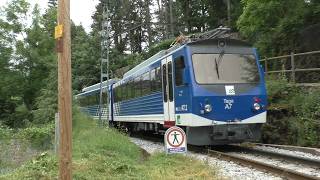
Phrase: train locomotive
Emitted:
{"points": [[212, 87]]}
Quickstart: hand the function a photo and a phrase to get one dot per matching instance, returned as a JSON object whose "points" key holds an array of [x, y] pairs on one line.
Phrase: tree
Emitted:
{"points": [[11, 28], [85, 68], [272, 24]]}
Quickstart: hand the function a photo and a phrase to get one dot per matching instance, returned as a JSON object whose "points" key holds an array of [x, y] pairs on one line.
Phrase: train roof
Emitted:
{"points": [[97, 86], [89, 90], [151, 60], [228, 41]]}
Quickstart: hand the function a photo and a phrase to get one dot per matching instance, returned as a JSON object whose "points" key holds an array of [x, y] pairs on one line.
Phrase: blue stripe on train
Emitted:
{"points": [[94, 110], [150, 104]]}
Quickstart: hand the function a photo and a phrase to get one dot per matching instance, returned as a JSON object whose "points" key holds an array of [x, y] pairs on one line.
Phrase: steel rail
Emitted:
{"points": [[314, 151], [283, 172], [292, 158]]}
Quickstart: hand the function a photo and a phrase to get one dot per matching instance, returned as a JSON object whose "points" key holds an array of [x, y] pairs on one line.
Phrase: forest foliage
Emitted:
{"points": [[293, 114], [28, 65]]}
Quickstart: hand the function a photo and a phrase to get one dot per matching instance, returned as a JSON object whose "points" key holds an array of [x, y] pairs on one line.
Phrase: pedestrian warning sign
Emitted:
{"points": [[175, 140]]}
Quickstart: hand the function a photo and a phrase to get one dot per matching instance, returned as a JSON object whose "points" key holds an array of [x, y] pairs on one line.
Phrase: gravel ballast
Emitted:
{"points": [[228, 170]]}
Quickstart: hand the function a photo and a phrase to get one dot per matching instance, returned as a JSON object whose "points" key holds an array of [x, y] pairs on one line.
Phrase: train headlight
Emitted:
{"points": [[207, 108], [256, 106]]}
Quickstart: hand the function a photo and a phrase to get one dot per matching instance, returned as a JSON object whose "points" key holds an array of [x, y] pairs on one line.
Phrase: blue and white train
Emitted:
{"points": [[214, 89]]}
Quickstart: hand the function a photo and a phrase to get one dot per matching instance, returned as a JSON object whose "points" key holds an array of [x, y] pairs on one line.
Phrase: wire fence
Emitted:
{"points": [[300, 68]]}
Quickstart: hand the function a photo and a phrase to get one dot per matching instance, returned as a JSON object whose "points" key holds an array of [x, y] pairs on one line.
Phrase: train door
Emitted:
{"points": [[167, 90]]}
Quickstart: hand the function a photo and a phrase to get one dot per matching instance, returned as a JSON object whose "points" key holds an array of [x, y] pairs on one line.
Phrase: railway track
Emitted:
{"points": [[309, 150], [282, 172], [223, 153], [286, 157]]}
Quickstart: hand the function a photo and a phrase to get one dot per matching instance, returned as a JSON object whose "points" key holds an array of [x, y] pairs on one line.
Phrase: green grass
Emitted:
{"points": [[101, 153]]}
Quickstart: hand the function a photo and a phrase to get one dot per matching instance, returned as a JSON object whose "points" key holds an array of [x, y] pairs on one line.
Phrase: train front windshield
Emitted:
{"points": [[225, 68]]}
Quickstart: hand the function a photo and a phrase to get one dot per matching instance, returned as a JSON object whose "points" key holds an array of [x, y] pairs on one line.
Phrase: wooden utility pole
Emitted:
{"points": [[64, 88]]}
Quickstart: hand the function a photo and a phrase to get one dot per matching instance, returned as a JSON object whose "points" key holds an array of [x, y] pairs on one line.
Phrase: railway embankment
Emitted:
{"points": [[102, 153]]}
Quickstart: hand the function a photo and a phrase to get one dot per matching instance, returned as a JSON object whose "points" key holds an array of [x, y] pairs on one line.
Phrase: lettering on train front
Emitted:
{"points": [[228, 103]]}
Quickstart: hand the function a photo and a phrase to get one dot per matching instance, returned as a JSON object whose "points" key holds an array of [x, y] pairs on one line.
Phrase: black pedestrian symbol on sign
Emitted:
{"points": [[175, 137]]}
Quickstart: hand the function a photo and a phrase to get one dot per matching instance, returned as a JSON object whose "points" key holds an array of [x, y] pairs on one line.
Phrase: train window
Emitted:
{"points": [[158, 85], [123, 95], [133, 89], [170, 81], [119, 89], [89, 100], [164, 82], [179, 70], [114, 94], [97, 97], [130, 90], [145, 84], [137, 87], [153, 80], [125, 92], [119, 93], [104, 97], [216, 68]]}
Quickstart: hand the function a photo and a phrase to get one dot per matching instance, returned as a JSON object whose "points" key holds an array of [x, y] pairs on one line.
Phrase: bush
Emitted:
{"points": [[40, 137], [5, 132], [44, 166], [293, 114]]}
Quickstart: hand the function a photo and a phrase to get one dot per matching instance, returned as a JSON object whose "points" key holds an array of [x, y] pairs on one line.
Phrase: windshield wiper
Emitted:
{"points": [[217, 69], [217, 63]]}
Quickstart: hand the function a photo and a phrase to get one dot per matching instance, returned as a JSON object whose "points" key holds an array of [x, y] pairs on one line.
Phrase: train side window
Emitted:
{"points": [[153, 80], [97, 98], [164, 82], [145, 84], [104, 97], [179, 70], [137, 87], [125, 92], [158, 85], [119, 93], [115, 94], [170, 81], [90, 100], [130, 89], [117, 90]]}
